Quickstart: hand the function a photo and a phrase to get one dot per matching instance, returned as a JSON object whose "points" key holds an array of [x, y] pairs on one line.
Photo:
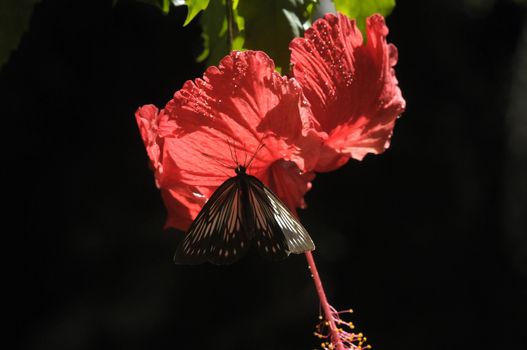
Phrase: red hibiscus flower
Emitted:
{"points": [[214, 122], [350, 84], [341, 103]]}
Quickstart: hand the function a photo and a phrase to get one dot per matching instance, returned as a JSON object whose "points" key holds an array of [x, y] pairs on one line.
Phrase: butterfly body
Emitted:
{"points": [[244, 180], [242, 213]]}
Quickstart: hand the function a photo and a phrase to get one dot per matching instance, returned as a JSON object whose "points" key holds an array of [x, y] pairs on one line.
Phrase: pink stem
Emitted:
{"points": [[335, 340]]}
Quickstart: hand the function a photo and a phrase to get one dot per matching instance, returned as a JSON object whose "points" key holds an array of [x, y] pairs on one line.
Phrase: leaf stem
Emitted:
{"points": [[335, 339], [230, 24]]}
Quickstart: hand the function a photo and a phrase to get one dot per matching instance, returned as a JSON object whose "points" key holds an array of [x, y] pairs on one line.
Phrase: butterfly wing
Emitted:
{"points": [[218, 233], [277, 231]]}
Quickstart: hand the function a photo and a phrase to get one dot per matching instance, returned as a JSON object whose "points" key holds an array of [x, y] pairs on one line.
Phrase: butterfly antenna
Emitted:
{"points": [[217, 161], [245, 157], [235, 154], [254, 155], [232, 152]]}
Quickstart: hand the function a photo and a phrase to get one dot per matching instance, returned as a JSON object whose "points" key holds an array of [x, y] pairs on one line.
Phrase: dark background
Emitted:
{"points": [[427, 242]]}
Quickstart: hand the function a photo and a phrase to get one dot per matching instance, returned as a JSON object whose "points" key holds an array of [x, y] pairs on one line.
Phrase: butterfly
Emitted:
{"points": [[241, 213]]}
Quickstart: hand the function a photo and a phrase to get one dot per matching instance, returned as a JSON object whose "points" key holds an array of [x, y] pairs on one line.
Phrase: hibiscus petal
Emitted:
{"points": [[351, 86], [244, 101], [289, 183], [218, 122], [182, 206], [147, 118]]}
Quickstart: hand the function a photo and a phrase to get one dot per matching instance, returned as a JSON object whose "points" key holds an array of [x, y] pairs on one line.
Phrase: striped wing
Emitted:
{"points": [[277, 232], [217, 234]]}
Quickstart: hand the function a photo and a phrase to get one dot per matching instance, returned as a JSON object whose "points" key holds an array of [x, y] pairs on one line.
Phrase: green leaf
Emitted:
{"points": [[14, 20], [163, 5], [270, 25], [361, 9], [267, 25], [194, 7], [214, 26]]}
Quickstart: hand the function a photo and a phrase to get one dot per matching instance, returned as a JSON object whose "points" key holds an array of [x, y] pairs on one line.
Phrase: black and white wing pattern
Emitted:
{"points": [[217, 234], [242, 212], [277, 232]]}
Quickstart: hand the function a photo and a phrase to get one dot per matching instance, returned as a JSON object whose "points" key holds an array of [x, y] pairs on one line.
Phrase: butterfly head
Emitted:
{"points": [[240, 169]]}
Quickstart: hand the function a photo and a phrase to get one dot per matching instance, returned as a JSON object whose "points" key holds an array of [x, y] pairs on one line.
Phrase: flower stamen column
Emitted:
{"points": [[335, 339]]}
